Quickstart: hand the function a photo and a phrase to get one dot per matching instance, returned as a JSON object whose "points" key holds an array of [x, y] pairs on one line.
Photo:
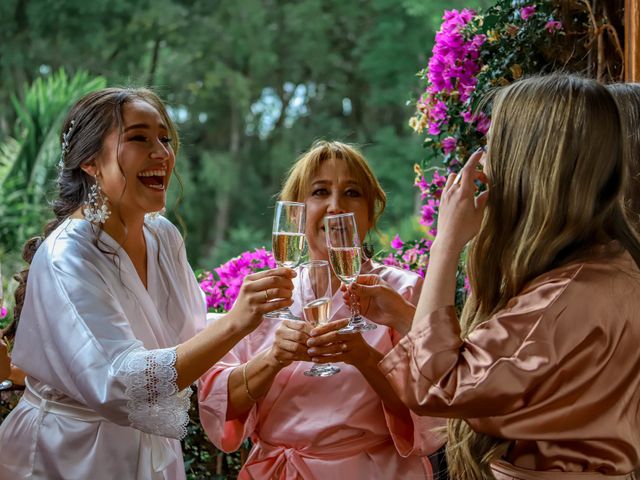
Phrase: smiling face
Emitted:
{"points": [[332, 190], [135, 164]]}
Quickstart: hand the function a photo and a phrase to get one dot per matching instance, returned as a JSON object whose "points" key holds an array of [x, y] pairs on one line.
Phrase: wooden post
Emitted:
{"points": [[632, 40]]}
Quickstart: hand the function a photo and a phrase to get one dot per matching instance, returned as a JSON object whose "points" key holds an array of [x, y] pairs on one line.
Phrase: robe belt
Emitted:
{"points": [[162, 453], [288, 463], [506, 471]]}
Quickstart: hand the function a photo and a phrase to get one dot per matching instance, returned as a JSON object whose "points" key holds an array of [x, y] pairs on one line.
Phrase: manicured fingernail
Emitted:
{"points": [[312, 351], [310, 342], [315, 359]]}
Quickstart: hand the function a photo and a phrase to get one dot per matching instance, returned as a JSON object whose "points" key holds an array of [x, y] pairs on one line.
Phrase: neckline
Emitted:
{"points": [[122, 253]]}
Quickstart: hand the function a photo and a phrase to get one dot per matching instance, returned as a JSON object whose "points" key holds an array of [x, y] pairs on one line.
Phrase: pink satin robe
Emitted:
{"points": [[557, 371], [321, 428]]}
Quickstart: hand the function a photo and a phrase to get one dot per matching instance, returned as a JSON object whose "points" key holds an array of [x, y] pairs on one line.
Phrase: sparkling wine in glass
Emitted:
{"points": [[315, 291], [345, 257], [288, 243]]}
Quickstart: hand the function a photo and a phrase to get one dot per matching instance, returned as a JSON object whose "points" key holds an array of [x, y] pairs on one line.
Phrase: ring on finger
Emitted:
{"points": [[343, 347], [266, 295]]}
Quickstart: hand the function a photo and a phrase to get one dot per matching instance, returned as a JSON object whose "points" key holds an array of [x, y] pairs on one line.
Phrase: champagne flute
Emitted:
{"points": [[315, 291], [288, 243], [345, 256]]}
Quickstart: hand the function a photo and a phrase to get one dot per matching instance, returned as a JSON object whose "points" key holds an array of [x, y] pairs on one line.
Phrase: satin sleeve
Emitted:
{"points": [[490, 373], [413, 434], [75, 336], [213, 401]]}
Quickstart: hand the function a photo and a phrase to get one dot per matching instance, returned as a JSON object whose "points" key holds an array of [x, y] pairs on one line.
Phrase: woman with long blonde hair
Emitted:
{"points": [[541, 375]]}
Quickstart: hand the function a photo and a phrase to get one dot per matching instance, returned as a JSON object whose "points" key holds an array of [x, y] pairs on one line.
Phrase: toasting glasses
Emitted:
{"points": [[288, 242], [315, 291], [344, 253]]}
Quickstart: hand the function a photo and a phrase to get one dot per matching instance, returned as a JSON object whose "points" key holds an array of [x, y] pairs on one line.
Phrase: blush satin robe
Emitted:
{"points": [[321, 428], [557, 372]]}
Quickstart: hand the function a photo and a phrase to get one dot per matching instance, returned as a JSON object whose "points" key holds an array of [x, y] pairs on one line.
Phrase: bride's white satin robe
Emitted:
{"points": [[96, 346]]}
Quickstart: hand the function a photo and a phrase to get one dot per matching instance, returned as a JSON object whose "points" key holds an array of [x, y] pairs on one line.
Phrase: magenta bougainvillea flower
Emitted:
{"points": [[553, 26], [222, 289], [527, 12]]}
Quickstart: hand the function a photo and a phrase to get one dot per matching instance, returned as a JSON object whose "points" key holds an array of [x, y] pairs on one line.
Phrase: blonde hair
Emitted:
{"points": [[627, 97], [556, 171], [298, 182]]}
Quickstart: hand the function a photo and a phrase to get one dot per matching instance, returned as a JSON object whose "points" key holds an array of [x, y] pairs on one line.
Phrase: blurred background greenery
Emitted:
{"points": [[251, 85]]}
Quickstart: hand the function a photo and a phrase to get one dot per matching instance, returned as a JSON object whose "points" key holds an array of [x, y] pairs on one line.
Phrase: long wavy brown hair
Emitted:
{"points": [[627, 97], [556, 170]]}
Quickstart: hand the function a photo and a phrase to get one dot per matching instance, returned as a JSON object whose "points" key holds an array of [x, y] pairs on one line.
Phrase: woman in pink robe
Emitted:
{"points": [[545, 371], [350, 425]]}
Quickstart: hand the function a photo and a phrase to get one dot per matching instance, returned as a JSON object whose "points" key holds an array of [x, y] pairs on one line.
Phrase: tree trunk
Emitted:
{"points": [[223, 197]]}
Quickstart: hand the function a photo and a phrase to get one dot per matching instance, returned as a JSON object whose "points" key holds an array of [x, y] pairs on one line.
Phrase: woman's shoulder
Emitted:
{"points": [[163, 227], [589, 283], [72, 238]]}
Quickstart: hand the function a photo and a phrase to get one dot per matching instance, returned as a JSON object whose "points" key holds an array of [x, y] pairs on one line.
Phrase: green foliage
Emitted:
{"points": [[28, 159], [201, 459]]}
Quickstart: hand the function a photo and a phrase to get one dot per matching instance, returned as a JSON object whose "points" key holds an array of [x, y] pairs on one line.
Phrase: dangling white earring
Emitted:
{"points": [[95, 207]]}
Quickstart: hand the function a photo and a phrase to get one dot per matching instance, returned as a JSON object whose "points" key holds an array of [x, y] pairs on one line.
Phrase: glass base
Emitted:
{"points": [[322, 371], [358, 324], [283, 314]]}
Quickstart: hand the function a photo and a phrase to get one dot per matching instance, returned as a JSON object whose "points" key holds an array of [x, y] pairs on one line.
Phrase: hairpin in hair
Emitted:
{"points": [[66, 137]]}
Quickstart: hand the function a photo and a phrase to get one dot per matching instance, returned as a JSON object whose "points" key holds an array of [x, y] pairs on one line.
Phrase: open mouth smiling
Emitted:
{"points": [[154, 179]]}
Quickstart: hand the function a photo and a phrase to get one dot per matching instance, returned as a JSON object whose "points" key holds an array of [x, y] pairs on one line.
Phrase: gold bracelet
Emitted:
{"points": [[246, 383]]}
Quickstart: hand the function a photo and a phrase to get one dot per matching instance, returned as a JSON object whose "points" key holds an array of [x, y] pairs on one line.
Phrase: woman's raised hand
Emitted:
{"points": [[461, 211], [290, 343], [380, 303], [261, 293]]}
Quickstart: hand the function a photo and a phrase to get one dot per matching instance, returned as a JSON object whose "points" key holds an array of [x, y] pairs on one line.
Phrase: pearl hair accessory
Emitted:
{"points": [[66, 137]]}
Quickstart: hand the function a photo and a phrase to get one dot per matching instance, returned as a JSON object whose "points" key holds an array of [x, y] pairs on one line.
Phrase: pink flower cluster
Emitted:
{"points": [[412, 255], [527, 12], [553, 26], [3, 312], [222, 292], [431, 192], [452, 68]]}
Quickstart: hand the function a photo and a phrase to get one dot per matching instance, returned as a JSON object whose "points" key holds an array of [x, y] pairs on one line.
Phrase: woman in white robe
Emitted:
{"points": [[108, 332]]}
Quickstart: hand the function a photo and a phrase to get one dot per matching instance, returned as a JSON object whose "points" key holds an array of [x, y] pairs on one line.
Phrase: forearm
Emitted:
{"points": [[369, 369], [260, 373], [439, 288], [201, 352], [403, 317]]}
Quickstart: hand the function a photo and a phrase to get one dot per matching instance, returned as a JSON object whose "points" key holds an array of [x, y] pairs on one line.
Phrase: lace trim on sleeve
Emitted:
{"points": [[155, 404]]}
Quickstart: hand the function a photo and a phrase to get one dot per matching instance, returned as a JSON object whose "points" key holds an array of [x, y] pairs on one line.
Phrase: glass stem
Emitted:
{"points": [[355, 311]]}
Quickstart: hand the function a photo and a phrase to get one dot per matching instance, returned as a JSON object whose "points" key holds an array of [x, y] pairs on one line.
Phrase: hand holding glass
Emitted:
{"points": [[288, 242], [315, 292], [345, 256]]}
